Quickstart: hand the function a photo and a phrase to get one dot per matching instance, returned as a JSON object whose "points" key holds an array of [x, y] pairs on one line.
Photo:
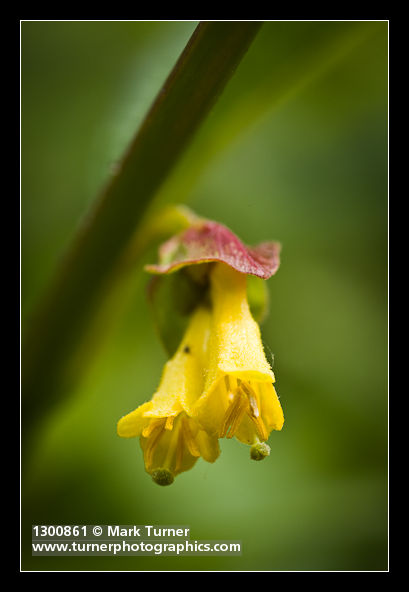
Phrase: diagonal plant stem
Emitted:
{"points": [[193, 86]]}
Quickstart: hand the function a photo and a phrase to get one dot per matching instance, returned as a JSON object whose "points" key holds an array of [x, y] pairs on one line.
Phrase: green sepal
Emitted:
{"points": [[258, 297]]}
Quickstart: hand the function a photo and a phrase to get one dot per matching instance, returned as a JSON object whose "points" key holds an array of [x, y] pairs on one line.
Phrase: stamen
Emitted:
{"points": [[179, 452], [255, 411], [169, 422], [243, 400], [238, 416], [261, 428], [252, 397], [228, 416], [147, 431], [173, 441], [151, 445], [190, 441]]}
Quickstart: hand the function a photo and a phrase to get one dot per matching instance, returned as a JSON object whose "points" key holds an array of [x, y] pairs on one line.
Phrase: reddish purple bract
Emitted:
{"points": [[209, 241]]}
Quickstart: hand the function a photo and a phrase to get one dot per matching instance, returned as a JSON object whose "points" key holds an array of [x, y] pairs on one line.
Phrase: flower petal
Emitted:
{"points": [[183, 378], [270, 403], [208, 446], [132, 424], [235, 346], [238, 398], [210, 409]]}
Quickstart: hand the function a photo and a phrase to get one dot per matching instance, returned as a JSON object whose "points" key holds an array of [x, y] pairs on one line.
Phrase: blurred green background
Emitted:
{"points": [[295, 150]]}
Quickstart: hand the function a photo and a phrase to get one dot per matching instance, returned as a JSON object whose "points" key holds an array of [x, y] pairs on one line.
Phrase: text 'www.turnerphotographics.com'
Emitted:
{"points": [[116, 540]]}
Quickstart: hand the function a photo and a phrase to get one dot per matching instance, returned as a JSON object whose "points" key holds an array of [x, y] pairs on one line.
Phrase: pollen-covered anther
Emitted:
{"points": [[259, 451], [162, 477]]}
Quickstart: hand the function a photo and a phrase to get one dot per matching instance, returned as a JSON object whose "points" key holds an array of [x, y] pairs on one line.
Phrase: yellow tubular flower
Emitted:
{"points": [[171, 440], [238, 398]]}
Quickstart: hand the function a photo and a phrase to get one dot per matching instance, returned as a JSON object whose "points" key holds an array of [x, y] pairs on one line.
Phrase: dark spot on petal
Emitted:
{"points": [[186, 349]]}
